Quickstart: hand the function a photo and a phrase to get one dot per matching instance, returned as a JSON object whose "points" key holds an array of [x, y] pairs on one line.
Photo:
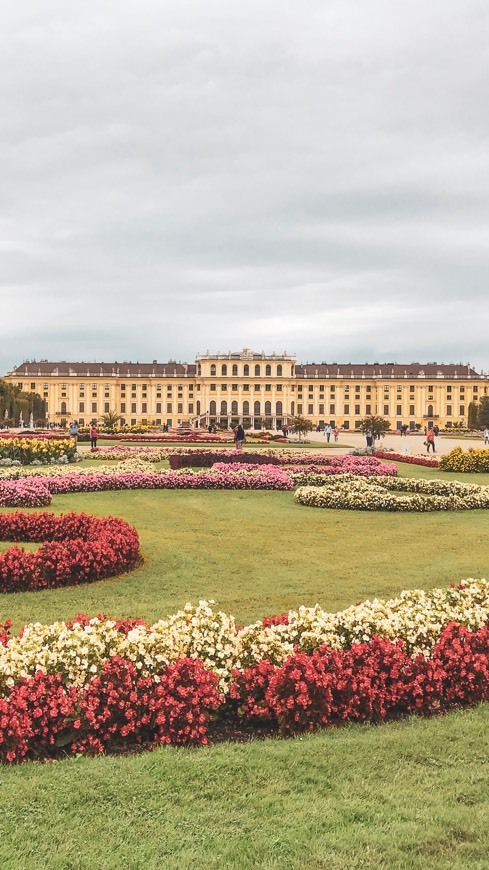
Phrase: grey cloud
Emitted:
{"points": [[178, 177]]}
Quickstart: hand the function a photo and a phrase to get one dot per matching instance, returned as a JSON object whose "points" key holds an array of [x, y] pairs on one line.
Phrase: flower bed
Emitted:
{"points": [[374, 494], [76, 548], [122, 453], [466, 461], [30, 449], [24, 493], [404, 457], [94, 685], [339, 464]]}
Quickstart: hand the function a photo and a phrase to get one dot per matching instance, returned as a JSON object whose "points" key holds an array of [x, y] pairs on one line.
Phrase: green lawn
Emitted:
{"points": [[403, 795]]}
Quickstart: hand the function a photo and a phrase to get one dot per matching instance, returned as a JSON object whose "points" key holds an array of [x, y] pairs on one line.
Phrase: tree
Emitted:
{"points": [[483, 415], [301, 426], [473, 418], [376, 425], [111, 419], [14, 401]]}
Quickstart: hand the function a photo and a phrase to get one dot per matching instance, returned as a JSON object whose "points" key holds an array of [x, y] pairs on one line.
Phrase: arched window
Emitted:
{"points": [[234, 408], [268, 371], [213, 369], [235, 369], [279, 371], [224, 408], [199, 369], [256, 409], [224, 370], [63, 407], [246, 408], [212, 409], [430, 410], [268, 409], [246, 370], [278, 409], [257, 371]]}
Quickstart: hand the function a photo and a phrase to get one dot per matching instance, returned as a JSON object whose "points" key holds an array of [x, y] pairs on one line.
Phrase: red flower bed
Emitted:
{"points": [[404, 457], [76, 548], [41, 717]]}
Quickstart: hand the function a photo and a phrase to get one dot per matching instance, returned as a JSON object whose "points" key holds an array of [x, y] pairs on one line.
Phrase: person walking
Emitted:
{"points": [[93, 436], [486, 436], [74, 430], [336, 432], [239, 437], [370, 438], [430, 440], [328, 432]]}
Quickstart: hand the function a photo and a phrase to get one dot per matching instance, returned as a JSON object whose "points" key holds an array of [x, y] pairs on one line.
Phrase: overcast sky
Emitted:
{"points": [[182, 176]]}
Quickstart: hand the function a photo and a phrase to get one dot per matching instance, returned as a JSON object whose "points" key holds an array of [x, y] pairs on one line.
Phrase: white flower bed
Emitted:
{"points": [[79, 651], [347, 492]]}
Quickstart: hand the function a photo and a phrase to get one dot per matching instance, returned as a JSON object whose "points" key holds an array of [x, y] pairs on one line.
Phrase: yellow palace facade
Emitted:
{"points": [[258, 389]]}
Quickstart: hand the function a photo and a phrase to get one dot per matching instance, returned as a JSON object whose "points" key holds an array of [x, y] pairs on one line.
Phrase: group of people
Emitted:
{"points": [[74, 429], [331, 431]]}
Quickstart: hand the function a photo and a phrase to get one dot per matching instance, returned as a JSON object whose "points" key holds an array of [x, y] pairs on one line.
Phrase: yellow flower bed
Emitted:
{"points": [[472, 460], [27, 450]]}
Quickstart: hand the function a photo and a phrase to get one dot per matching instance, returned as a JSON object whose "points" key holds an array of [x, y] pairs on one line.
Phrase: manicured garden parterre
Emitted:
{"points": [[407, 794]]}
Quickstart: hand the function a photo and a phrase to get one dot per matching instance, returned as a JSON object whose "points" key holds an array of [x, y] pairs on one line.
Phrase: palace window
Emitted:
{"points": [[158, 407], [357, 409], [123, 407], [411, 410], [234, 388], [386, 410], [133, 408], [368, 409], [191, 408], [449, 410], [81, 407], [398, 410], [299, 409], [268, 387], [462, 410], [213, 370], [94, 407], [213, 388], [279, 371], [224, 370], [321, 409], [246, 370], [346, 409], [169, 408], [106, 407], [310, 409], [235, 369], [332, 409], [257, 371], [279, 388], [180, 408], [144, 408], [268, 371], [246, 388]]}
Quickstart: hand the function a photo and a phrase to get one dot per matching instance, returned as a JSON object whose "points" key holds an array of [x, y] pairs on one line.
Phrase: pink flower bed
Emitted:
{"points": [[24, 492], [362, 465], [404, 457]]}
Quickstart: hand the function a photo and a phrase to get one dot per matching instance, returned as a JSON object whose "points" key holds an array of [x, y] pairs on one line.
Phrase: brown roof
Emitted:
{"points": [[387, 370], [170, 369], [99, 370]]}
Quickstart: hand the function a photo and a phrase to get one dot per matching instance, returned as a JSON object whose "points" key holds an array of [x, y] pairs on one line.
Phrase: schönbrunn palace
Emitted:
{"points": [[258, 389]]}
